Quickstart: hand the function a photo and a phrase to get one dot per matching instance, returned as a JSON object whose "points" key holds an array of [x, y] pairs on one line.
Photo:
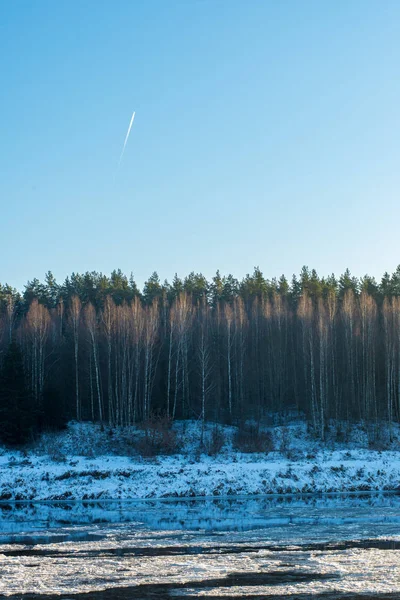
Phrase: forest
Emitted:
{"points": [[97, 348]]}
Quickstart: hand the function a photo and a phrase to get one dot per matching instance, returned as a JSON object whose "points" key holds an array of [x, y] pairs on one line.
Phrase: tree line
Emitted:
{"points": [[97, 348]]}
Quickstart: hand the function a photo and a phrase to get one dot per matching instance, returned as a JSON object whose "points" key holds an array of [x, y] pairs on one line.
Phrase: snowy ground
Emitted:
{"points": [[84, 462]]}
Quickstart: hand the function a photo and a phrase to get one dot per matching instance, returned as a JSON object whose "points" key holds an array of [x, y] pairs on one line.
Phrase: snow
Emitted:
{"points": [[87, 463]]}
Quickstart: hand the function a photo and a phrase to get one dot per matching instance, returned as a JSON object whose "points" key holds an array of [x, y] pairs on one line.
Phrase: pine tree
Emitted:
{"points": [[17, 413]]}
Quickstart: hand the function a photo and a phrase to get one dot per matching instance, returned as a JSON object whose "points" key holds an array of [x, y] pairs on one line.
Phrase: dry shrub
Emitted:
{"points": [[215, 442], [379, 437], [158, 438], [51, 446], [285, 445], [58, 456], [249, 438]]}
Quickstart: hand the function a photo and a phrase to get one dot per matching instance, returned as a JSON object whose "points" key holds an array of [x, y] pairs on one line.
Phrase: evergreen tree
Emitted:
{"points": [[17, 414], [216, 289], [347, 282], [175, 288], [197, 286], [152, 288], [119, 289], [51, 290], [395, 282], [295, 290]]}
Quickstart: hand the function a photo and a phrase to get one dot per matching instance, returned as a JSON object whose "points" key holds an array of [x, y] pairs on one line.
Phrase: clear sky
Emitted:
{"points": [[266, 133]]}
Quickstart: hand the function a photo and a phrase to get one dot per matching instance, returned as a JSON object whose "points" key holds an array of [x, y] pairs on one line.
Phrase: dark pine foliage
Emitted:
{"points": [[18, 416]]}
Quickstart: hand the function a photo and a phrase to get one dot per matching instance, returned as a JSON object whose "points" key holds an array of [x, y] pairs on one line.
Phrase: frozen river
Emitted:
{"points": [[311, 547]]}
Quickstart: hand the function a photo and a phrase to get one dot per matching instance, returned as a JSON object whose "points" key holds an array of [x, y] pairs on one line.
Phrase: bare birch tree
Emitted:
{"points": [[92, 329], [75, 319]]}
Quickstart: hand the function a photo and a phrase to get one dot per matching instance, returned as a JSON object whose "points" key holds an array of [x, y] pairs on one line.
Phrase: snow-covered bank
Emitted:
{"points": [[78, 464]]}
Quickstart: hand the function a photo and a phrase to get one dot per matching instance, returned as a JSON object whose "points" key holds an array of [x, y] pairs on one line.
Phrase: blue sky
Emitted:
{"points": [[266, 133]]}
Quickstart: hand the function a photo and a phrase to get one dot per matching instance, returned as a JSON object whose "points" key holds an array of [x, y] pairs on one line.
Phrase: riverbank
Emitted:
{"points": [[85, 463]]}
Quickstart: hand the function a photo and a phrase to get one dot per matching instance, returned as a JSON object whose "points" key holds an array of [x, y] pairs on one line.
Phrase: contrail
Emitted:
{"points": [[127, 136]]}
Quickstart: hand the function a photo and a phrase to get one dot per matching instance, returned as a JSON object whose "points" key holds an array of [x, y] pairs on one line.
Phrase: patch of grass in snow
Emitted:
{"points": [[95, 474], [338, 469]]}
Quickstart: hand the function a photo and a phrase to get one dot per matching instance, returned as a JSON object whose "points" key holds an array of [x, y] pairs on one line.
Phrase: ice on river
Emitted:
{"points": [[244, 546]]}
